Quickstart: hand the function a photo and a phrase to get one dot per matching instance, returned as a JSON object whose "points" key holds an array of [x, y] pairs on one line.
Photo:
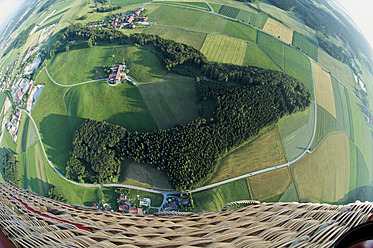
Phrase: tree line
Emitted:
{"points": [[20, 40], [11, 168]]}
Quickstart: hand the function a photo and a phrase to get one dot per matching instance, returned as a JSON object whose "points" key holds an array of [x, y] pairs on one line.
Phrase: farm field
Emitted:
{"points": [[192, 38], [126, 2], [59, 111], [278, 30], [224, 49], [255, 56], [339, 108], [86, 64], [236, 4], [263, 152], [240, 31], [147, 176], [290, 194], [270, 184], [252, 18], [342, 71], [324, 175], [306, 45], [215, 199], [192, 4], [229, 11], [274, 47], [296, 132], [324, 89], [171, 100], [326, 123]]}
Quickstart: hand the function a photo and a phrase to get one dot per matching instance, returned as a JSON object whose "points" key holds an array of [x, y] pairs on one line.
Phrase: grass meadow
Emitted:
{"points": [[255, 56], [252, 18], [324, 175], [192, 4], [326, 123], [215, 199], [270, 184], [296, 132], [263, 152], [224, 49]]}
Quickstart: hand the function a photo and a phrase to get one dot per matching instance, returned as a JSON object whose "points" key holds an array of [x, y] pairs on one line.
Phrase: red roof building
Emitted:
{"points": [[139, 210], [146, 18], [117, 77], [130, 19], [133, 210]]}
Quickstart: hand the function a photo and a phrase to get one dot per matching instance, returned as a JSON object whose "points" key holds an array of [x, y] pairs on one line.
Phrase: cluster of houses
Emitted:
{"points": [[121, 20], [13, 124], [127, 207], [5, 77], [30, 51], [20, 89], [118, 74], [173, 203]]}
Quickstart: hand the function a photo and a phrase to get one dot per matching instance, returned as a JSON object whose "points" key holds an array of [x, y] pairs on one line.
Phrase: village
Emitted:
{"points": [[121, 20]]}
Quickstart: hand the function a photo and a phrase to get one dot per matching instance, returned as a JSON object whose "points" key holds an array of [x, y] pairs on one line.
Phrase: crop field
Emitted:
{"points": [[296, 132], [216, 7], [278, 30], [274, 47], [191, 4], [147, 176], [236, 4], [252, 18], [224, 49], [290, 194], [85, 64], [351, 121], [215, 199], [324, 175], [324, 89], [362, 136], [126, 2], [306, 45], [240, 31], [255, 56], [187, 18], [171, 100], [229, 11], [59, 111], [192, 38], [342, 71], [263, 152], [269, 184], [339, 108], [326, 123], [298, 66]]}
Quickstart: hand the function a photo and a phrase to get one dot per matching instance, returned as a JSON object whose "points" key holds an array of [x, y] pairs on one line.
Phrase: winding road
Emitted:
{"points": [[166, 193]]}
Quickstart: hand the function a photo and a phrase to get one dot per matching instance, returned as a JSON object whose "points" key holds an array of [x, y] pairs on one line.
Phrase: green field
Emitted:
{"points": [[126, 2], [192, 4], [229, 11], [60, 110], [191, 38], [296, 132], [274, 47], [85, 64], [324, 175], [290, 194], [254, 19], [255, 56], [215, 199], [271, 184], [306, 45], [263, 152], [216, 7], [240, 31], [171, 100], [340, 70], [224, 49], [339, 108], [326, 123]]}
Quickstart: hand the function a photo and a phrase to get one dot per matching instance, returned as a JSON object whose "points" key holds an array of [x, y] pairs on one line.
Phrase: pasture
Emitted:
{"points": [[324, 89], [191, 38], [306, 45], [278, 30], [324, 175], [296, 132], [255, 56], [240, 31], [86, 64], [342, 71], [215, 199], [252, 18], [224, 49], [263, 152], [171, 100], [274, 47], [270, 184]]}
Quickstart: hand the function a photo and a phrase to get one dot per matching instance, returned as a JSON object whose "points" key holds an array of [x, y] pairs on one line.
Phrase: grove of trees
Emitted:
{"points": [[11, 168]]}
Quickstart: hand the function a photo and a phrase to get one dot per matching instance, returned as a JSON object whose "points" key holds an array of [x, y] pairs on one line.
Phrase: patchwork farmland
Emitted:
{"points": [[278, 30]]}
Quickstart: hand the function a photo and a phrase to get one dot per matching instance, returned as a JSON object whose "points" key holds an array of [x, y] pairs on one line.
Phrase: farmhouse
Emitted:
{"points": [[118, 73]]}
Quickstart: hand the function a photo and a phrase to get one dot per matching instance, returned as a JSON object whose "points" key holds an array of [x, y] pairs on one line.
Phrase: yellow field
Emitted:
{"points": [[324, 89], [324, 175], [269, 184], [224, 49], [265, 151], [279, 30]]}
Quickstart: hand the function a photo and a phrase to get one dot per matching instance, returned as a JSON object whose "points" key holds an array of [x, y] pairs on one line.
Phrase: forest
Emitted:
{"points": [[11, 168], [244, 99]]}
